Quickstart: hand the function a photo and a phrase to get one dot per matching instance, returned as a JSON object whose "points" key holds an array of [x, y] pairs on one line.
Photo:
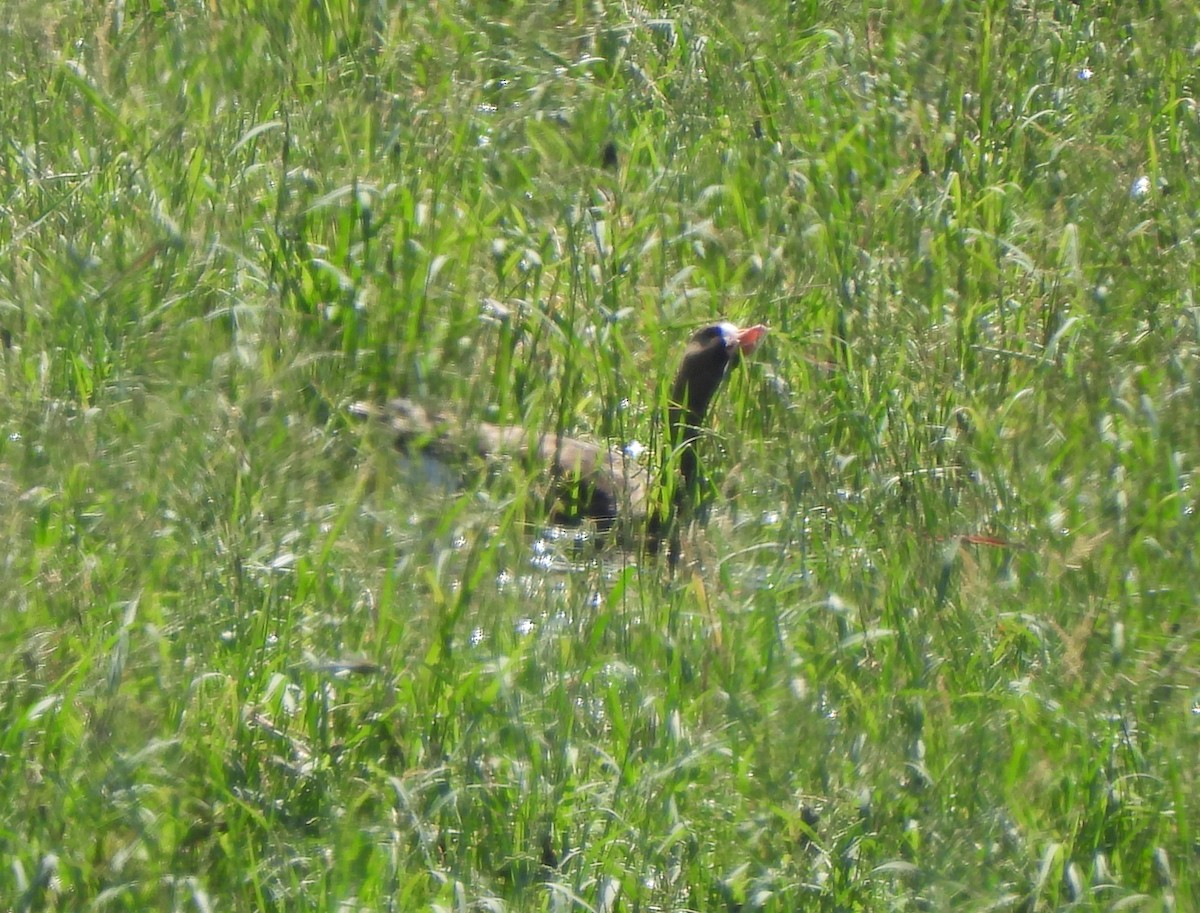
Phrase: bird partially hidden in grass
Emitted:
{"points": [[591, 482]]}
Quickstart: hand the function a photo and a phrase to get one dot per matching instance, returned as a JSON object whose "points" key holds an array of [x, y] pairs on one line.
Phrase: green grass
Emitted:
{"points": [[251, 661]]}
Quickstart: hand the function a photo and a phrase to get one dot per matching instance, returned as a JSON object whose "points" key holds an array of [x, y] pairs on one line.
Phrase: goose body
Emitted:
{"points": [[591, 481]]}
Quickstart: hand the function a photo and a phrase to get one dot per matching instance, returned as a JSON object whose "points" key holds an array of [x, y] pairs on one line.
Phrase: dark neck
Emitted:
{"points": [[684, 430], [693, 389], [690, 395], [679, 474]]}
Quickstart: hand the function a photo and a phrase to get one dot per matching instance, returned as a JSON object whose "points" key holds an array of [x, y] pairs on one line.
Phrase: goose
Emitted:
{"points": [[591, 481]]}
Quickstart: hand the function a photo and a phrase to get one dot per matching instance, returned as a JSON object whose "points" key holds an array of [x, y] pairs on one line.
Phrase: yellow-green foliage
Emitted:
{"points": [[936, 646]]}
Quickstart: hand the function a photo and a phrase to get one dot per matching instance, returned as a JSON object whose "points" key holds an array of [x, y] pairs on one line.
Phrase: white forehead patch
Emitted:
{"points": [[729, 333]]}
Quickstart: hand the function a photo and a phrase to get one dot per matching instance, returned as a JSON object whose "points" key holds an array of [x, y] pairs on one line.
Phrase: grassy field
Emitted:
{"points": [[936, 647]]}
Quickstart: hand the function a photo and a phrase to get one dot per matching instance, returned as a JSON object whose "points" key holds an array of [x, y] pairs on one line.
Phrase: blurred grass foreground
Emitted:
{"points": [[936, 646]]}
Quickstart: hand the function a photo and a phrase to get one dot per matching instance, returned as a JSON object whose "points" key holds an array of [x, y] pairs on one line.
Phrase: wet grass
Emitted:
{"points": [[936, 647]]}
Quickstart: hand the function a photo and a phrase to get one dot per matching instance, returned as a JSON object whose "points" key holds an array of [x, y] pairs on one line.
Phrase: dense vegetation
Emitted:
{"points": [[936, 646]]}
